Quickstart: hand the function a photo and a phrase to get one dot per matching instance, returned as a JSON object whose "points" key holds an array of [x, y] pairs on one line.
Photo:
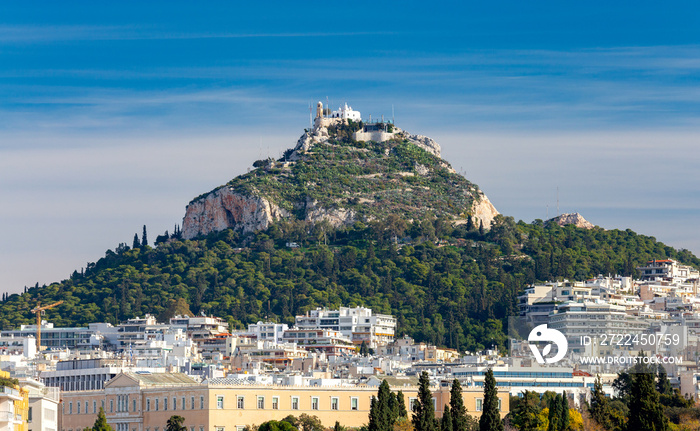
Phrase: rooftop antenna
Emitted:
{"points": [[392, 114]]}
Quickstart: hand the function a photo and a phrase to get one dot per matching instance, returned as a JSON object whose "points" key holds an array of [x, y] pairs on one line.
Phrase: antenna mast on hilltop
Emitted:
{"points": [[392, 114], [557, 201], [311, 123]]}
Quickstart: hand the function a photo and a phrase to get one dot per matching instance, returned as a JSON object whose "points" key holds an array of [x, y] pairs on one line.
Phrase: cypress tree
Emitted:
{"points": [[144, 237], [401, 405], [136, 243], [554, 413], [457, 409], [490, 416], [564, 410], [599, 404], [384, 413], [373, 415], [424, 412], [446, 420], [481, 228], [393, 407], [647, 412]]}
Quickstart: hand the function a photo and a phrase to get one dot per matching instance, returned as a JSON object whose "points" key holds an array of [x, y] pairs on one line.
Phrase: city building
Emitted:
{"points": [[359, 324]]}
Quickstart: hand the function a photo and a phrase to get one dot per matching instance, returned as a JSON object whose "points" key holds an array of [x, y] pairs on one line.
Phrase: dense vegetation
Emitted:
{"points": [[447, 285]]}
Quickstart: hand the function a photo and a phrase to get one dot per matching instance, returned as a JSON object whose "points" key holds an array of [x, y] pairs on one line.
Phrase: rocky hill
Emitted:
{"points": [[575, 219], [331, 176]]}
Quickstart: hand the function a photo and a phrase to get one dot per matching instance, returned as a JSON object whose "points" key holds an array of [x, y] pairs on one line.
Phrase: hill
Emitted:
{"points": [[332, 176], [449, 285]]}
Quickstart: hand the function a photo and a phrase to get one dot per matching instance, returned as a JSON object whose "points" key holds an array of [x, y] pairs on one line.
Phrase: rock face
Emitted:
{"points": [[330, 176], [575, 219], [224, 208]]}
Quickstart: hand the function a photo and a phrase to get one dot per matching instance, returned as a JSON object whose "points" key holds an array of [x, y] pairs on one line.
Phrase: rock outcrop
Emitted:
{"points": [[330, 176], [225, 208], [575, 219]]}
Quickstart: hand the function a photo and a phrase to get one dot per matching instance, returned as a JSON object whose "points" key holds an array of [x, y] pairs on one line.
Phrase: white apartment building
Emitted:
{"points": [[43, 406], [359, 324], [268, 331], [576, 319], [668, 270]]}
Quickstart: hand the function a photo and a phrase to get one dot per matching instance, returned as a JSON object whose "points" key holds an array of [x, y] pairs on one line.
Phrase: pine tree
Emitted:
{"points": [[647, 412], [175, 424], [144, 237], [446, 421], [136, 243], [101, 422], [383, 395], [402, 405], [564, 420], [458, 411], [490, 416], [424, 411]]}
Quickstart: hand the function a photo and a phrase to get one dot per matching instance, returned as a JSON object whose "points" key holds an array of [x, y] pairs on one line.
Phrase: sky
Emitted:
{"points": [[114, 116]]}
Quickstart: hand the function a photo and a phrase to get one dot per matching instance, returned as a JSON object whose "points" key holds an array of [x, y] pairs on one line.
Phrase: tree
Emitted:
{"points": [[599, 408], [276, 426], [423, 411], [457, 409], [144, 237], [446, 421], [401, 405], [554, 413], [175, 424], [525, 411], [663, 385], [310, 423], [364, 351], [381, 417], [136, 243], [644, 402], [101, 422], [490, 416], [564, 419]]}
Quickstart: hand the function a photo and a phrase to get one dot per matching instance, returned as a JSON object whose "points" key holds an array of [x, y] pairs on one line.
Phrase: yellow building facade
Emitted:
{"points": [[14, 404], [145, 403]]}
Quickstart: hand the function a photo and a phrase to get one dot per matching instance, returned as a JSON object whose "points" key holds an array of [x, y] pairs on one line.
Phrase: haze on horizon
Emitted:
{"points": [[116, 116]]}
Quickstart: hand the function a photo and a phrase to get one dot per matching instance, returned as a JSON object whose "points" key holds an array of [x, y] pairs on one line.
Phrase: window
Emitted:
{"points": [[295, 403], [183, 404], [275, 403], [314, 403], [334, 403], [261, 402], [78, 407], [133, 407], [165, 403], [191, 403], [412, 403], [157, 404], [353, 403], [219, 401], [479, 404], [103, 404], [219, 428], [111, 406], [201, 405], [240, 402], [70, 408], [499, 404], [148, 404], [174, 403], [29, 415], [94, 407]]}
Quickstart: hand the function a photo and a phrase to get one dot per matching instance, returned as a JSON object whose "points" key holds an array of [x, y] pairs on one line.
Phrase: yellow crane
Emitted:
{"points": [[39, 311]]}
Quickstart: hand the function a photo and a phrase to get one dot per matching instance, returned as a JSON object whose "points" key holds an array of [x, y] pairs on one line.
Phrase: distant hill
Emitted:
{"points": [[341, 222]]}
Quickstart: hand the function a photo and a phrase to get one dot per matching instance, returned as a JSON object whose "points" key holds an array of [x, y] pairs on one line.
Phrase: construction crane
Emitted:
{"points": [[39, 311]]}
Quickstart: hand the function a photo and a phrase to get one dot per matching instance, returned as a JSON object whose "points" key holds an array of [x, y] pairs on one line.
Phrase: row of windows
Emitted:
{"points": [[183, 404], [123, 405], [294, 401]]}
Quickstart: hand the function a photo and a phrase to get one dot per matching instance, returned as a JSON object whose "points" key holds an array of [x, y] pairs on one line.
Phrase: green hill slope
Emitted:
{"points": [[456, 293]]}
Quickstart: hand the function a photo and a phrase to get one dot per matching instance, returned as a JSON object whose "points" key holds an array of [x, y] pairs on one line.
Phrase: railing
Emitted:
{"points": [[10, 417], [9, 391]]}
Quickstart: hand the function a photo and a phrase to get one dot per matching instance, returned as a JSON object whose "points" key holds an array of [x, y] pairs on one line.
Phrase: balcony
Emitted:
{"points": [[10, 392], [10, 417]]}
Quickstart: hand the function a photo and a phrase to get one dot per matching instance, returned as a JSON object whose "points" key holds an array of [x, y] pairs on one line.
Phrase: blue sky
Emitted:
{"points": [[115, 116]]}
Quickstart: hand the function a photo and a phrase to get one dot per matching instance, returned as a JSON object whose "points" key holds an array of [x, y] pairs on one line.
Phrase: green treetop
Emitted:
{"points": [[490, 416]]}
